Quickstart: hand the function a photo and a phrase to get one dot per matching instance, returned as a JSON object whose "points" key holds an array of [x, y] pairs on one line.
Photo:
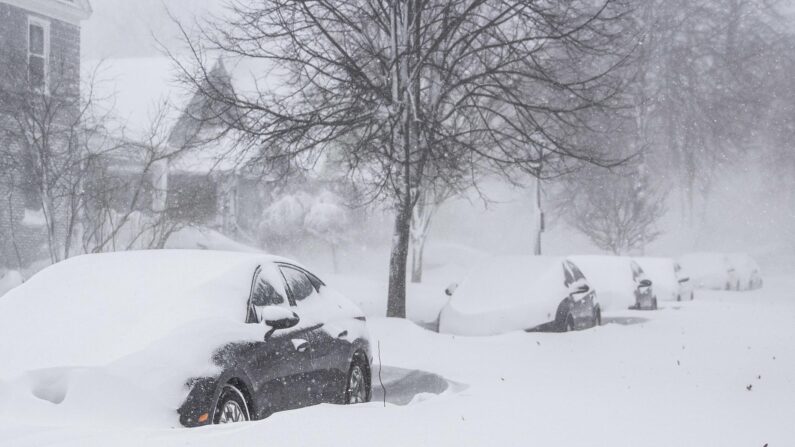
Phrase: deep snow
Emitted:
{"points": [[718, 371]]}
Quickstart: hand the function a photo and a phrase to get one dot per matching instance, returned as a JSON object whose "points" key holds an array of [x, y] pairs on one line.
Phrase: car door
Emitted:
{"points": [[282, 359], [330, 344]]}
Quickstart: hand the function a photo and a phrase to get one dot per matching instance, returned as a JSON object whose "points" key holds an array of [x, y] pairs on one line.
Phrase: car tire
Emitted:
{"points": [[597, 321], [231, 406], [692, 296], [357, 384], [654, 304]]}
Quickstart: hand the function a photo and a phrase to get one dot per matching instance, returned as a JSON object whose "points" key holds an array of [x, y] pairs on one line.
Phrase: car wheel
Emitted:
{"points": [[356, 389], [679, 297], [654, 304], [692, 296], [231, 407], [597, 320]]}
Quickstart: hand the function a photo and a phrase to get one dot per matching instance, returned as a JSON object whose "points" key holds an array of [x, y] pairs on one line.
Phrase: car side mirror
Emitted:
{"points": [[644, 283], [681, 280], [580, 289], [277, 318]]}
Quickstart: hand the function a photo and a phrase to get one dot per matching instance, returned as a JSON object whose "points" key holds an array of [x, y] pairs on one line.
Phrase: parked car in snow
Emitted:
{"points": [[620, 281], [217, 337], [521, 293], [645, 298], [721, 271], [665, 275], [749, 276]]}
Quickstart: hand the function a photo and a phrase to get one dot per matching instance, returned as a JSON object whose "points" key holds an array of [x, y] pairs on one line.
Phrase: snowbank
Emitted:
{"points": [[200, 238], [9, 280], [423, 302]]}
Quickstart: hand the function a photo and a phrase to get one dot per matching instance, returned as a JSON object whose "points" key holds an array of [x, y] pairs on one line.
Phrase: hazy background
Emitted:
{"points": [[745, 209]]}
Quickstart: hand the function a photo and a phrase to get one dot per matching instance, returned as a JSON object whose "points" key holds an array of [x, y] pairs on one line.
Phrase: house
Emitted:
{"points": [[39, 55], [204, 179]]}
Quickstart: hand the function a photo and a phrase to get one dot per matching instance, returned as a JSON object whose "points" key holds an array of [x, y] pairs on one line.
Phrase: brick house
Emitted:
{"points": [[39, 52]]}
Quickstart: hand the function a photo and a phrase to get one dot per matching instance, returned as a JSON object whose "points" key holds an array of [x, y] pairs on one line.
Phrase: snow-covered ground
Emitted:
{"points": [[718, 371]]}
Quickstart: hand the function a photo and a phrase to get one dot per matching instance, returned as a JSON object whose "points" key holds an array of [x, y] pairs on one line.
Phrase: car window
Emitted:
{"points": [[264, 293], [571, 273], [298, 282]]}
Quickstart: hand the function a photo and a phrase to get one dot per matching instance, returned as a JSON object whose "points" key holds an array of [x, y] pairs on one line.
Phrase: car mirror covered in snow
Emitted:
{"points": [[450, 290], [579, 288], [277, 317]]}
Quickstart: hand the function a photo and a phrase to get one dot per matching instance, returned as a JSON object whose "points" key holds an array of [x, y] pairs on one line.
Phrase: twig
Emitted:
{"points": [[381, 381]]}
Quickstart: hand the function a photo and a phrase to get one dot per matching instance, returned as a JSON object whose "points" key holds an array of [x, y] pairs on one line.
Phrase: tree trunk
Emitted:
{"points": [[539, 218], [398, 260], [417, 250]]}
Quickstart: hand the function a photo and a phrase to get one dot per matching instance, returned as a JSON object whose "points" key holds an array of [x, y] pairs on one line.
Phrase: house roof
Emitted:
{"points": [[146, 102], [72, 11]]}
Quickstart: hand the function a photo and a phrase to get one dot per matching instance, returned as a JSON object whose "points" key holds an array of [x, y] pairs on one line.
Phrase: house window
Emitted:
{"points": [[38, 52]]}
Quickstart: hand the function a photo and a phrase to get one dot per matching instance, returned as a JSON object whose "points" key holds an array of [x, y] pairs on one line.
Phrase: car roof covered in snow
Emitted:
{"points": [[611, 276], [93, 309], [506, 293]]}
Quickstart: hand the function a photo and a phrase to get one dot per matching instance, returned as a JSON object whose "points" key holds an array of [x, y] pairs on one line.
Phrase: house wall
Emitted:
{"points": [[23, 237]]}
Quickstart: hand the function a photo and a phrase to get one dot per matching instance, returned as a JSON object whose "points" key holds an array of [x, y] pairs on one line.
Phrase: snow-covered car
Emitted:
{"points": [[713, 271], [521, 293], [749, 276], [668, 286], [620, 281], [213, 337], [645, 296]]}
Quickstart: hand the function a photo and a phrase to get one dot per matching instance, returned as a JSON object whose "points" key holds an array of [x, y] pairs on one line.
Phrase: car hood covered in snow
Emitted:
{"points": [[94, 309], [506, 294]]}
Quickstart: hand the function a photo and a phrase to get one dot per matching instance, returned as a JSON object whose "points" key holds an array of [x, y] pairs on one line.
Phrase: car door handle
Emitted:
{"points": [[300, 344]]}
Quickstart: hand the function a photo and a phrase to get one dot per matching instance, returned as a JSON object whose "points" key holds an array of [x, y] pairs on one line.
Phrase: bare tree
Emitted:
{"points": [[431, 198], [42, 122], [415, 93], [698, 74], [618, 210]]}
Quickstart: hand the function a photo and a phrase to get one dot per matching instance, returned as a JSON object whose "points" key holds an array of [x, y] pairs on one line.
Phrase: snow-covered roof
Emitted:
{"points": [[147, 102], [72, 11]]}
